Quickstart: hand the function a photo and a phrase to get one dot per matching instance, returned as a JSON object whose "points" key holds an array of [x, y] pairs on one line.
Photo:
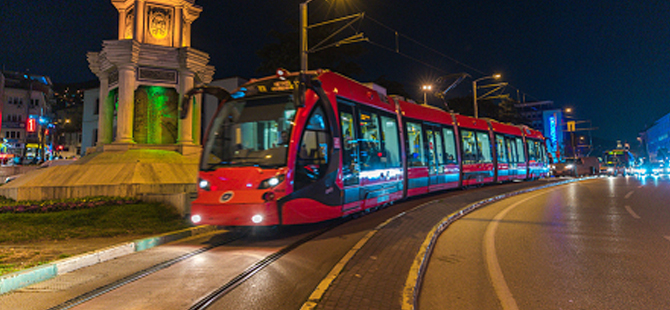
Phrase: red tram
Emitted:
{"points": [[287, 149]]}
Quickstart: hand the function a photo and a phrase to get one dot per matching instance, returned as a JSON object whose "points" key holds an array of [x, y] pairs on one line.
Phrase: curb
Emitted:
{"points": [[23, 278]]}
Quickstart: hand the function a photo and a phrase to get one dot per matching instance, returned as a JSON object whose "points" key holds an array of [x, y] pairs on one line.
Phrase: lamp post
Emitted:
{"points": [[303, 36], [304, 47], [474, 89], [426, 89]]}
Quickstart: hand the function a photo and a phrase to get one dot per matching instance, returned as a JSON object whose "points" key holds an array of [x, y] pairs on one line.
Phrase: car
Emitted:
{"points": [[564, 168], [577, 167]]}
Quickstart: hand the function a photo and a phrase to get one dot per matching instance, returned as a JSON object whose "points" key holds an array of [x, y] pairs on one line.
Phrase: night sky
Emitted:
{"points": [[609, 60]]}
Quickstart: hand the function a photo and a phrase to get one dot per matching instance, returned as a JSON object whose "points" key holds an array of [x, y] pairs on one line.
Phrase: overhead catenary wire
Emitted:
{"points": [[397, 49]]}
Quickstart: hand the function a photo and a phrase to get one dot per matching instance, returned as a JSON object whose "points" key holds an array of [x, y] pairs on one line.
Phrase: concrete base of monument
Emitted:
{"points": [[149, 174]]}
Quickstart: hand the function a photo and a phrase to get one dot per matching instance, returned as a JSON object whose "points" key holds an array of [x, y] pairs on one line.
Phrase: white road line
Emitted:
{"points": [[628, 195], [495, 272], [632, 213]]}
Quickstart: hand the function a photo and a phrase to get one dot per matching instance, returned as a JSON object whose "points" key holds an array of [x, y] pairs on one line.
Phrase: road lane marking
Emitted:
{"points": [[628, 194], [632, 213], [495, 272]]}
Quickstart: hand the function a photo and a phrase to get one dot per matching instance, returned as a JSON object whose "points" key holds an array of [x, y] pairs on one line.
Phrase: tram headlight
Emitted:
{"points": [[196, 219], [204, 184], [271, 182], [257, 218]]}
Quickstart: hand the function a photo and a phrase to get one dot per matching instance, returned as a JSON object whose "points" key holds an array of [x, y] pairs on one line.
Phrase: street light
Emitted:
{"points": [[474, 89], [426, 89]]}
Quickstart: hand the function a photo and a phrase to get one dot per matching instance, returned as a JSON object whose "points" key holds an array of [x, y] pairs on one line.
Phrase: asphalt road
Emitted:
{"points": [[596, 244]]}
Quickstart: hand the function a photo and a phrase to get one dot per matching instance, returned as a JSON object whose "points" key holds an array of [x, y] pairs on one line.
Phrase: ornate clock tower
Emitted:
{"points": [[144, 74]]}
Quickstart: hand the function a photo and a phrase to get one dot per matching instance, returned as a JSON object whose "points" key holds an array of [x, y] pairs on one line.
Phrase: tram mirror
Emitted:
{"points": [[216, 91]]}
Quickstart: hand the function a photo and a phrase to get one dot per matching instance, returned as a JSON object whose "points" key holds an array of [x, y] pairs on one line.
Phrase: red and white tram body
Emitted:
{"points": [[279, 154]]}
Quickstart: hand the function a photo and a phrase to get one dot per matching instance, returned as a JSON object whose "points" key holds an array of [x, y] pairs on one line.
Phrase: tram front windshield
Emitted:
{"points": [[250, 132]]}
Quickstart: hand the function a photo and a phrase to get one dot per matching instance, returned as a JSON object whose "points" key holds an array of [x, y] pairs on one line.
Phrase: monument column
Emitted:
{"points": [[122, 23], [124, 120], [197, 119], [186, 124], [105, 115], [140, 20], [178, 27]]}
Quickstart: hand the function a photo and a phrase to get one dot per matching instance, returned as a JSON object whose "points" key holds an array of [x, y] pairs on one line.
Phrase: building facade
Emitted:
{"points": [[24, 101], [656, 139]]}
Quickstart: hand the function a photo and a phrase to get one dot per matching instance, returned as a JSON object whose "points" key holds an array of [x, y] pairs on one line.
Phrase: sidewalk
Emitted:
{"points": [[103, 251]]}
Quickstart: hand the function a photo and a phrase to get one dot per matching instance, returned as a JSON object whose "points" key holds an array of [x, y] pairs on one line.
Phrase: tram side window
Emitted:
{"points": [[501, 149], [430, 146], [313, 152], [519, 149], [372, 156], [439, 152], [541, 155], [532, 154], [391, 141], [449, 145], [484, 144], [511, 150], [415, 148], [469, 145], [350, 166]]}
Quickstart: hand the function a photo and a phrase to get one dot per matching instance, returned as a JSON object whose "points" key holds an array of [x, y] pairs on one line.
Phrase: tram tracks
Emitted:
{"points": [[143, 273], [216, 294]]}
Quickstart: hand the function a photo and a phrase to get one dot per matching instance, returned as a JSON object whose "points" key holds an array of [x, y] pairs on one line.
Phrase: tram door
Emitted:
{"points": [[510, 147], [435, 154]]}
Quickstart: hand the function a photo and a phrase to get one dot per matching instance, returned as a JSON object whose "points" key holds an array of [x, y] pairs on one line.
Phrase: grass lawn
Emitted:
{"points": [[21, 229]]}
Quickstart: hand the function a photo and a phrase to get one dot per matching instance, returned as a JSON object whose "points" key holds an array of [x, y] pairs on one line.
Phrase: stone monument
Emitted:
{"points": [[143, 148]]}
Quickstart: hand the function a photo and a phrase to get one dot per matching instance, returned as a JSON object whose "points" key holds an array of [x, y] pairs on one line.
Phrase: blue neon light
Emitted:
{"points": [[552, 132]]}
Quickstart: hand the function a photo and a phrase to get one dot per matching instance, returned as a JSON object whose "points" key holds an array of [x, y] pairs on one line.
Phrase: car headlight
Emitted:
{"points": [[569, 166], [271, 182], [610, 170]]}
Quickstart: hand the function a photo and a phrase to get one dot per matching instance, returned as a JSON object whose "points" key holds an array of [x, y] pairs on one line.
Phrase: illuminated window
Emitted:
{"points": [[390, 142], [415, 154], [501, 149], [449, 145], [350, 160]]}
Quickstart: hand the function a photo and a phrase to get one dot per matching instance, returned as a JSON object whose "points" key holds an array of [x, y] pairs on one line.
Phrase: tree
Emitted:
{"points": [[284, 52]]}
